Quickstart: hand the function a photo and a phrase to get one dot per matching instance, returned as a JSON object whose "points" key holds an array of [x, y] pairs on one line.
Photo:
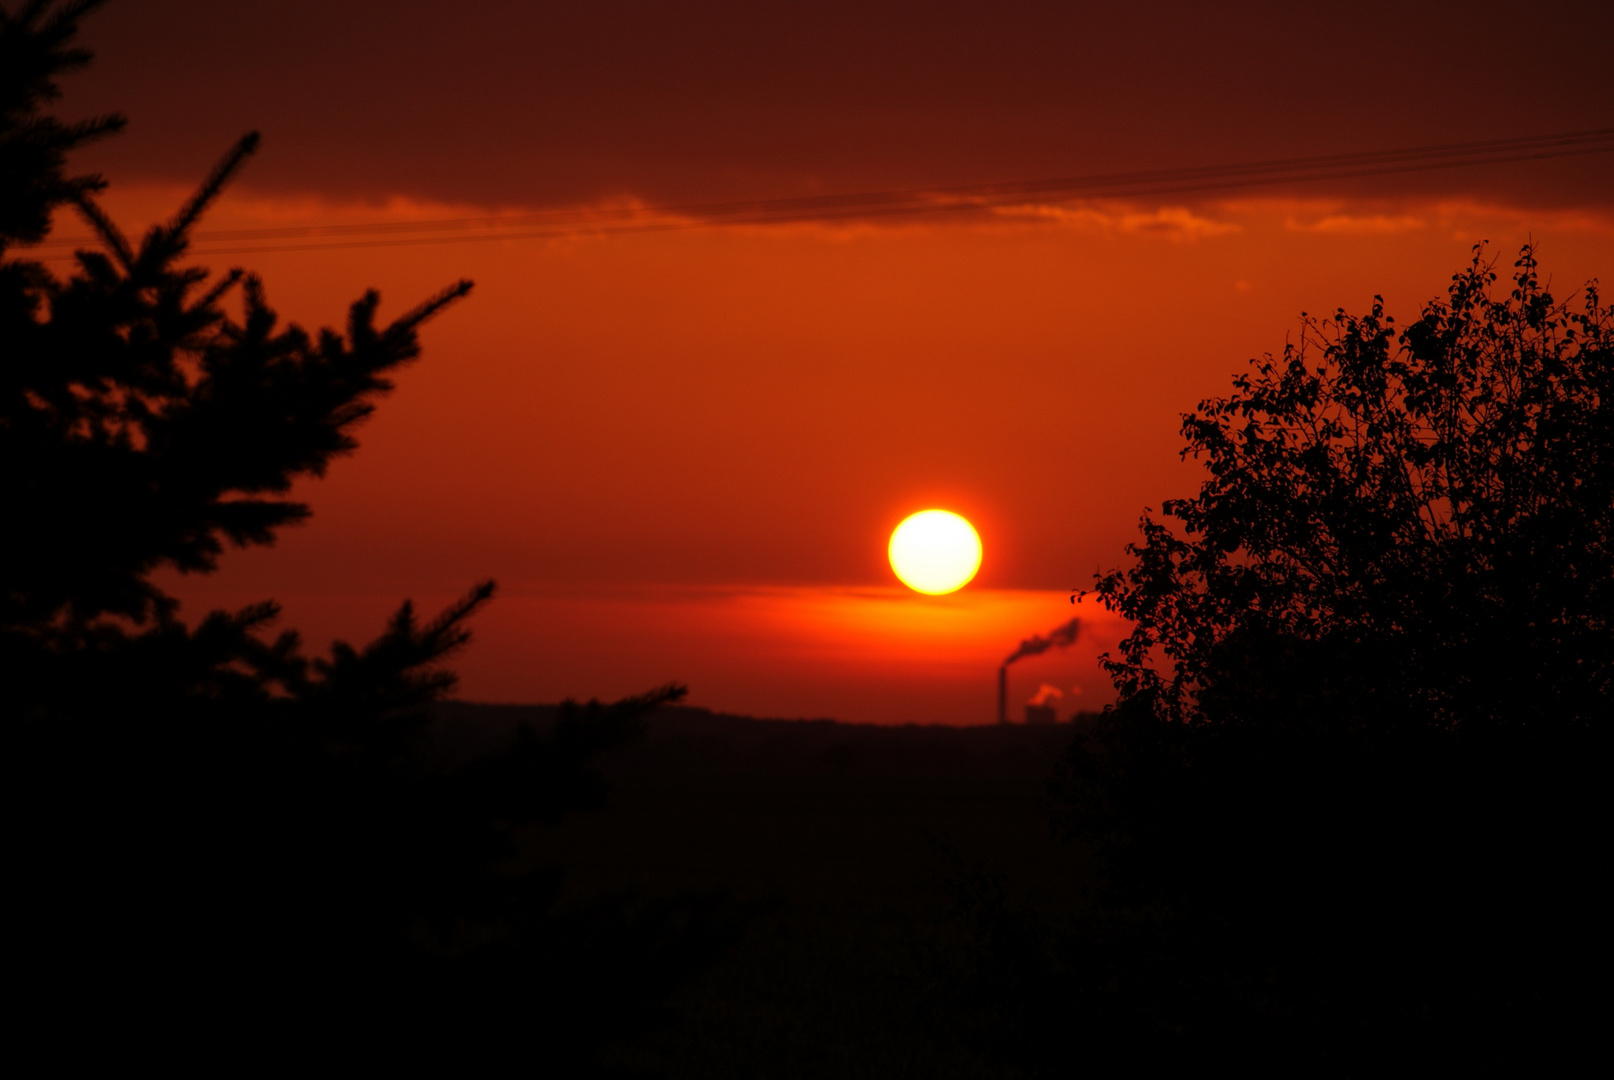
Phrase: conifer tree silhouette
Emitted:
{"points": [[212, 828]]}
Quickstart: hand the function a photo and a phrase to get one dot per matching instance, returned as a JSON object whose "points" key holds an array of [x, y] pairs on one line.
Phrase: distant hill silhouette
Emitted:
{"points": [[707, 742], [860, 852]]}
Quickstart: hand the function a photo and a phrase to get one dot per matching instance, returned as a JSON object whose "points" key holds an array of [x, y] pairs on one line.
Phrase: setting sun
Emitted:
{"points": [[935, 552]]}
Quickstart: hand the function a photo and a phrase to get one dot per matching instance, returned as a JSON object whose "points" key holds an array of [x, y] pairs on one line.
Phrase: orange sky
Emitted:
{"points": [[681, 453]]}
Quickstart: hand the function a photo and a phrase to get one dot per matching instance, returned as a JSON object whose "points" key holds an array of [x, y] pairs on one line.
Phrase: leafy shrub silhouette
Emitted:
{"points": [[215, 834]]}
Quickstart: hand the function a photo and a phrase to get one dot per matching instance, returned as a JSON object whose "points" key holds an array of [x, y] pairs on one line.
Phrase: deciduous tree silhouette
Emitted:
{"points": [[1345, 805], [211, 830], [1426, 515]]}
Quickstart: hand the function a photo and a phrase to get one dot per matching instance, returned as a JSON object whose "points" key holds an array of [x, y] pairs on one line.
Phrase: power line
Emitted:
{"points": [[885, 204]]}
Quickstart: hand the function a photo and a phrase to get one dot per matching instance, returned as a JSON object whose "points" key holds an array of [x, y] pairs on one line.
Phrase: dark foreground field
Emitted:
{"points": [[851, 849]]}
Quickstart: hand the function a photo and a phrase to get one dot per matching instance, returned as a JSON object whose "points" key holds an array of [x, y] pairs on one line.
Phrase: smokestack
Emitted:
{"points": [[1034, 645]]}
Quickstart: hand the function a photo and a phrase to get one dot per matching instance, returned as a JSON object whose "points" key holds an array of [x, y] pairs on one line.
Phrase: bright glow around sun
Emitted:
{"points": [[935, 552]]}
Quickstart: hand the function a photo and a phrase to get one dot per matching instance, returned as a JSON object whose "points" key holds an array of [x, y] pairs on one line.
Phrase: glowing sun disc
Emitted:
{"points": [[935, 552]]}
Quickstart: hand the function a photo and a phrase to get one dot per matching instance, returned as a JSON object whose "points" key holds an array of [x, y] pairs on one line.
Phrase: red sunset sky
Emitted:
{"points": [[681, 450]]}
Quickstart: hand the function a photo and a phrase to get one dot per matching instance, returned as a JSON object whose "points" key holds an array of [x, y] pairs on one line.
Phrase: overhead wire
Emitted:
{"points": [[953, 199]]}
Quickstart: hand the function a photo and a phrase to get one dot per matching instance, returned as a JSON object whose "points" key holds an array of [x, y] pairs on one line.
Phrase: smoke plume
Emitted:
{"points": [[1046, 693], [1035, 645]]}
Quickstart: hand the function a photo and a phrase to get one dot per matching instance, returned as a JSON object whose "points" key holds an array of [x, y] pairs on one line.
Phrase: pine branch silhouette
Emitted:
{"points": [[271, 831]]}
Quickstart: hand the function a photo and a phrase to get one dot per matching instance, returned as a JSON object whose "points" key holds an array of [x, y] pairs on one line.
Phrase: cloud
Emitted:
{"points": [[547, 105], [1358, 224], [1173, 222]]}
